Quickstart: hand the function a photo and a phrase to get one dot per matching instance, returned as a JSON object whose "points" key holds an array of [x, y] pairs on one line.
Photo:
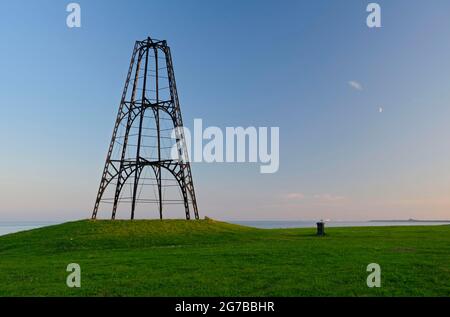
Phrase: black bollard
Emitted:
{"points": [[321, 229]]}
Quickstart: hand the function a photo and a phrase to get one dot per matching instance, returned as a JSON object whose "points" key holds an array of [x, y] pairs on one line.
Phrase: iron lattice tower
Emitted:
{"points": [[148, 125]]}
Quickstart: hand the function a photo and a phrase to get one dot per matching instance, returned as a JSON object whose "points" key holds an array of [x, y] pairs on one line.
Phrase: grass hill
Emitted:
{"points": [[209, 258]]}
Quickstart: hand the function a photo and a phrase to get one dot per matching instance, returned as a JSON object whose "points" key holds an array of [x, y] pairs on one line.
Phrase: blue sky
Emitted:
{"points": [[246, 63]]}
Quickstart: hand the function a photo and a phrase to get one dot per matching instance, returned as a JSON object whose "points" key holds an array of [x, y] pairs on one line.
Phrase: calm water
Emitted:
{"points": [[12, 227], [312, 224]]}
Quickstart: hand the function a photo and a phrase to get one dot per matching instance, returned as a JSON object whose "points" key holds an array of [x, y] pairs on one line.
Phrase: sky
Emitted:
{"points": [[363, 113]]}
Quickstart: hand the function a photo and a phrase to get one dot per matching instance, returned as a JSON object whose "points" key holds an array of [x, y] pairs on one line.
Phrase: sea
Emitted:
{"points": [[8, 227], [312, 224]]}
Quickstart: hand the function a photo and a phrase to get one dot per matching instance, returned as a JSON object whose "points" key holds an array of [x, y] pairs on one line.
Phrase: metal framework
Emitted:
{"points": [[139, 139]]}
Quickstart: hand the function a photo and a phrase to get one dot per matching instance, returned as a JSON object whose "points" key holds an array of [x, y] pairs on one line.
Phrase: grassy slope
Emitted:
{"points": [[207, 258]]}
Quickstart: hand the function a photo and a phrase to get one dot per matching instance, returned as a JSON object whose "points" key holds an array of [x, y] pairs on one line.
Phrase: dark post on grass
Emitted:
{"points": [[321, 228]]}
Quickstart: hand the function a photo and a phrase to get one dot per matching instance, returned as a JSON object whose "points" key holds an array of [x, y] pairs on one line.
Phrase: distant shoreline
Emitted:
{"points": [[13, 227], [411, 220]]}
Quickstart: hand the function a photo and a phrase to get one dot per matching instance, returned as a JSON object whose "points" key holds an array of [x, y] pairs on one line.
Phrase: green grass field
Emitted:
{"points": [[209, 258]]}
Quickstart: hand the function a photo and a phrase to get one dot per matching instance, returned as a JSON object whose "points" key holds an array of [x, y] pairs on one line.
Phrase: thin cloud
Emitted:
{"points": [[317, 197], [355, 85], [295, 196]]}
